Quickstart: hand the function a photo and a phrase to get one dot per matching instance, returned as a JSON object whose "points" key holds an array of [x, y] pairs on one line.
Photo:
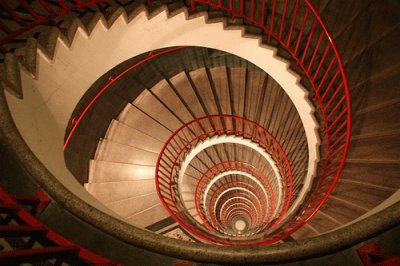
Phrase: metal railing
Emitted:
{"points": [[40, 243], [295, 25], [267, 206], [190, 135]]}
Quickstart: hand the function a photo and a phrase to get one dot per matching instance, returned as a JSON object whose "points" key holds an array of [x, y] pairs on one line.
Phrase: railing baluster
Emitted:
{"points": [[283, 18], [327, 48], [296, 7], [303, 24], [311, 33], [316, 48], [333, 97], [272, 19], [12, 13]]}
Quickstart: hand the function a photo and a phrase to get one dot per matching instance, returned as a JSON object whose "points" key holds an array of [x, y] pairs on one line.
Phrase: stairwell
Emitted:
{"points": [[363, 186]]}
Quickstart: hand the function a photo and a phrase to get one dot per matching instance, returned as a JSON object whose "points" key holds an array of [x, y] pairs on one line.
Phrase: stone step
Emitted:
{"points": [[123, 134], [119, 153], [110, 192], [134, 118], [104, 171], [149, 216], [130, 206], [151, 106]]}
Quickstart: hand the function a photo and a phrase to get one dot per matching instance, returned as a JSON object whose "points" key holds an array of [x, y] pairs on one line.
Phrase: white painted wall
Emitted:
{"points": [[51, 96]]}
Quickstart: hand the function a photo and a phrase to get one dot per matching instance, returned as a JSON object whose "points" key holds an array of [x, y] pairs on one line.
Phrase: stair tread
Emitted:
{"points": [[123, 134], [112, 191], [105, 171], [130, 206], [149, 216], [150, 105], [134, 118], [120, 153]]}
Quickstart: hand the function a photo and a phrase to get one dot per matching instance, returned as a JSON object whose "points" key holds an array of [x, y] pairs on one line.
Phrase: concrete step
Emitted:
{"points": [[168, 96], [148, 216], [379, 174], [307, 231], [186, 93], [380, 149], [220, 80], [237, 77], [254, 94], [123, 134], [132, 205], [113, 191], [362, 195], [119, 153], [341, 210], [150, 105], [377, 119], [322, 223], [104, 171], [201, 84], [134, 118]]}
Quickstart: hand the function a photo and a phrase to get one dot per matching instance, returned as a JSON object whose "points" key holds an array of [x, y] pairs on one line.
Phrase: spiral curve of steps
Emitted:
{"points": [[375, 128]]}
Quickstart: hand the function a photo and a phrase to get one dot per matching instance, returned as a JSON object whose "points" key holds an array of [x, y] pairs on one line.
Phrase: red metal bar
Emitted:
{"points": [[310, 35], [303, 24], [12, 13], [272, 19], [296, 7], [321, 35], [283, 18], [284, 41], [327, 48]]}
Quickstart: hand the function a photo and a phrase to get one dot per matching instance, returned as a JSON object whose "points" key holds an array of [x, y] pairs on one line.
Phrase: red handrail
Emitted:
{"points": [[227, 166], [303, 35], [111, 80], [330, 87], [188, 136]]}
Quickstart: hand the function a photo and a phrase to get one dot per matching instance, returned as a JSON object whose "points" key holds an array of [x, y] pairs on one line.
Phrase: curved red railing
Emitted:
{"points": [[187, 137], [316, 54], [225, 167], [111, 80], [298, 28], [216, 216]]}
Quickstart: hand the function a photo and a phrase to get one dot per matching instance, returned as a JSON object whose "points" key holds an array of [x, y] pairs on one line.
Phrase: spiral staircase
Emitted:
{"points": [[226, 135]]}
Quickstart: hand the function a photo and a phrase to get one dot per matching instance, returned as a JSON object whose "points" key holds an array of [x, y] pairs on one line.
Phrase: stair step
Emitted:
{"points": [[380, 149], [238, 80], [150, 105], [378, 174], [220, 80], [167, 95], [376, 120], [341, 211], [120, 153], [363, 196], [253, 94], [148, 216], [113, 191], [134, 118], [201, 84], [130, 206], [187, 94], [123, 134], [104, 171]]}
